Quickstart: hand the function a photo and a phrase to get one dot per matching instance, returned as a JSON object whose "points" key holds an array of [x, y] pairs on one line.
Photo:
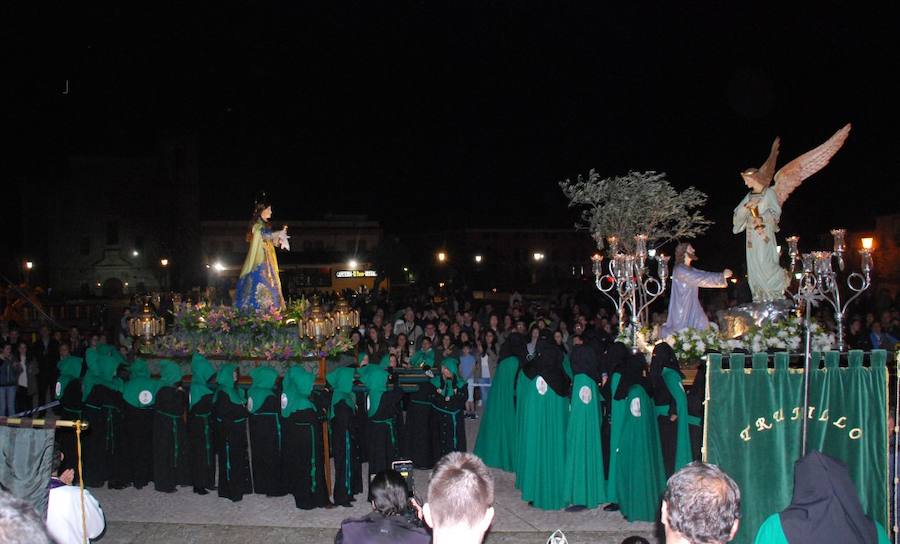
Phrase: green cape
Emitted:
{"points": [[69, 369], [453, 366], [140, 390], [385, 362], [341, 381], [640, 477], [225, 379], [298, 385], [683, 454], [263, 387], [497, 434], [201, 371], [376, 381], [584, 477]]}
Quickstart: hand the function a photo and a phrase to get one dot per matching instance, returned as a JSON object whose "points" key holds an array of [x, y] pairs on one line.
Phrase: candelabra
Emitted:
{"points": [[627, 281], [819, 282]]}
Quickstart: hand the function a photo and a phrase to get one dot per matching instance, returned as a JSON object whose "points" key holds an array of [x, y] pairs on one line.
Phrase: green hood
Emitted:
{"points": [[452, 365], [263, 387], [169, 373], [422, 359], [341, 381], [385, 362], [69, 369], [298, 385], [140, 391], [376, 381], [101, 371], [226, 383], [201, 371]]}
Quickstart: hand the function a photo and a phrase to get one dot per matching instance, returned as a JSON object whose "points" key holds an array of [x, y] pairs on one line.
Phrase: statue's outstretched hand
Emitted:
{"points": [[727, 273]]}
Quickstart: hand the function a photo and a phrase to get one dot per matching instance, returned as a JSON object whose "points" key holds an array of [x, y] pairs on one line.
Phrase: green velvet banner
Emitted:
{"points": [[753, 427], [26, 458]]}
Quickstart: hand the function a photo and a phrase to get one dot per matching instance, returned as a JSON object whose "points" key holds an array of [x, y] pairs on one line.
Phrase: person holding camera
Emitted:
{"points": [[395, 516]]}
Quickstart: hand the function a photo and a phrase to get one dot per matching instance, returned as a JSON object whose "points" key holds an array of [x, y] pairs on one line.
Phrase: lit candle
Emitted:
{"points": [[597, 264], [613, 244], [839, 235], [793, 242], [663, 262]]}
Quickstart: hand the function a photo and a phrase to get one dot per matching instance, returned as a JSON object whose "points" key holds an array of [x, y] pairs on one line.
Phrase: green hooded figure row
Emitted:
{"points": [[449, 392], [383, 425], [104, 444], [231, 434], [344, 436], [68, 393], [139, 394], [201, 431], [265, 432], [304, 472], [170, 458]]}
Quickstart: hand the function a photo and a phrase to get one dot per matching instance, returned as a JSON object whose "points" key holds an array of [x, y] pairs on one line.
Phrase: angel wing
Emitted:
{"points": [[767, 170], [793, 173]]}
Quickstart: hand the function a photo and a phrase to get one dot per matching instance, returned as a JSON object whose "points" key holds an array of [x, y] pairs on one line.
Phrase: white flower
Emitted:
{"points": [[701, 347]]}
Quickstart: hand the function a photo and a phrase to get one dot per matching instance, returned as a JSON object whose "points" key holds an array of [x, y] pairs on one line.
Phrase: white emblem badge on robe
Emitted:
{"points": [[541, 385], [58, 389], [283, 401], [368, 402], [636, 407], [250, 404], [585, 394], [145, 397]]}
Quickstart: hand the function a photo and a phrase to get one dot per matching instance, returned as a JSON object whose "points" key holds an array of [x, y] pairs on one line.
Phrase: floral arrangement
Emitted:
{"points": [[786, 335], [227, 331]]}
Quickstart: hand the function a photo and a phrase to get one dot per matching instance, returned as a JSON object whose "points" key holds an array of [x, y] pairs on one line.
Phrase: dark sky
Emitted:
{"points": [[420, 113]]}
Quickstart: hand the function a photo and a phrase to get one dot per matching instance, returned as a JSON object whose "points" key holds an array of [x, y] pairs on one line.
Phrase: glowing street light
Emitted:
{"points": [[353, 264], [164, 262], [406, 269], [478, 258], [441, 256], [868, 243], [219, 266], [134, 253], [29, 265], [538, 256]]}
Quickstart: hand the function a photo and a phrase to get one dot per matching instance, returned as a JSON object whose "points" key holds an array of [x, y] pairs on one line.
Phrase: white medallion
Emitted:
{"points": [[145, 397], [585, 394], [636, 407], [541, 385]]}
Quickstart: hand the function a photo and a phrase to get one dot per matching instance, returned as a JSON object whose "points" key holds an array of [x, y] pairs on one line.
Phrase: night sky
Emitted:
{"points": [[424, 115]]}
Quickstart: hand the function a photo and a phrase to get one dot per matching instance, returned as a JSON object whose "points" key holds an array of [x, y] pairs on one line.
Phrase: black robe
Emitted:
{"points": [[266, 446], [344, 447], [448, 421], [384, 431], [231, 447], [304, 466], [103, 443], [70, 408], [170, 460], [201, 444], [418, 421], [138, 430]]}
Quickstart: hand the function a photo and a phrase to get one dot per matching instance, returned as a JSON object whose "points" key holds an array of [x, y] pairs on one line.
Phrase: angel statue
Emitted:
{"points": [[259, 286], [759, 212]]}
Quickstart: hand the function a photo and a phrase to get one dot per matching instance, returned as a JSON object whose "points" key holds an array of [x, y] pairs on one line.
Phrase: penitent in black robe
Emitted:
{"points": [[266, 445], [448, 423], [104, 444], [231, 446], [71, 408], [201, 444], [384, 432], [138, 430], [170, 460], [304, 467], [345, 447], [418, 419]]}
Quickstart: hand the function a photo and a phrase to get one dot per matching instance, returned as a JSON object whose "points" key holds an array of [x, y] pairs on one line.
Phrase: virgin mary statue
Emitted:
{"points": [[259, 287]]}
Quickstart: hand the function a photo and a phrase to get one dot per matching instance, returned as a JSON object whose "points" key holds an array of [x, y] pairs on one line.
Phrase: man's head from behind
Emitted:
{"points": [[701, 505], [460, 499], [19, 523]]}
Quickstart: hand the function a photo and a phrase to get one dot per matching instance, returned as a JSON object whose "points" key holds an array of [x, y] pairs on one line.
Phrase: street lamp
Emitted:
{"points": [[219, 267], [441, 256], [29, 265], [164, 262], [134, 253], [353, 264], [478, 259], [538, 256]]}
